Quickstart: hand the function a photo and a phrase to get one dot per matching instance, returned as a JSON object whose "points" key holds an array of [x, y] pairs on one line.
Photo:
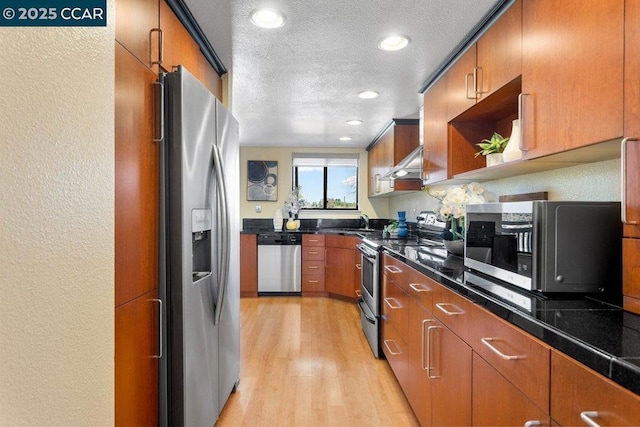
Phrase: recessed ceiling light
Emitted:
{"points": [[345, 138], [394, 42], [267, 18], [354, 122], [368, 94]]}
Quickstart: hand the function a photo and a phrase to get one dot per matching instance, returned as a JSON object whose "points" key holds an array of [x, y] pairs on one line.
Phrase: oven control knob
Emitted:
{"points": [[560, 278]]}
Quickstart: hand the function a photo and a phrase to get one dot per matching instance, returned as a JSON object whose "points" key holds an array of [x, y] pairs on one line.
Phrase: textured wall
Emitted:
{"points": [[56, 225], [594, 181]]}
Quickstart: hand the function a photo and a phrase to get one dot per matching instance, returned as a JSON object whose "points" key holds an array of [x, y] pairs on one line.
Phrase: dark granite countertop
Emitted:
{"points": [[599, 334]]}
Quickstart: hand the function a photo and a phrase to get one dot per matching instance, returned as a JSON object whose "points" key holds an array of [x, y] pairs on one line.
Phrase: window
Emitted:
{"points": [[327, 181]]}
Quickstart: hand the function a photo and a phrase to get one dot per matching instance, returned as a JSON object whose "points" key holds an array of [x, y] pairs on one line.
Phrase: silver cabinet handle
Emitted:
{"points": [[326, 258], [487, 342], [426, 164], [160, 46], [392, 269], [521, 145], [587, 417], [386, 343], [161, 102], [159, 356], [532, 423], [358, 293], [419, 287], [478, 91], [424, 322], [359, 266], [466, 86], [441, 305], [376, 180], [394, 307], [312, 267], [623, 180], [313, 252], [429, 347]]}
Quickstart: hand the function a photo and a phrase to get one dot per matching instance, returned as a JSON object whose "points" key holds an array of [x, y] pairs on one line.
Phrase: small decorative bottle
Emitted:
{"points": [[402, 224]]}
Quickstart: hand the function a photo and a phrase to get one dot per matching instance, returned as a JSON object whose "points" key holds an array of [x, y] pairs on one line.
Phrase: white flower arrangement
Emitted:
{"points": [[294, 202], [453, 202]]}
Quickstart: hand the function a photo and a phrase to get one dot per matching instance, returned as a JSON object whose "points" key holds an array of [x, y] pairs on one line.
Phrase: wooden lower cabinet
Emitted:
{"points": [[578, 392], [136, 368], [418, 391], [342, 276], [497, 402], [248, 265], [313, 265]]}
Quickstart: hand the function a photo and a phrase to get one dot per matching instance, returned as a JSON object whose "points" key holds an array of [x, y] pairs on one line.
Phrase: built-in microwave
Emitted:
{"points": [[546, 246]]}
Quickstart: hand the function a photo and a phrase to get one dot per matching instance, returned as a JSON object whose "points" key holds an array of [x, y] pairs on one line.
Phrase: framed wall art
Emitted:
{"points": [[262, 180]]}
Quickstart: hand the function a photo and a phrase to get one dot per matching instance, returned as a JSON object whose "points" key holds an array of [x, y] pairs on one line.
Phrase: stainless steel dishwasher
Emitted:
{"points": [[279, 259]]}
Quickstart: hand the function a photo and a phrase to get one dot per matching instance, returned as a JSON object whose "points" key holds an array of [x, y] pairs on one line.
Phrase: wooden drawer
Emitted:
{"points": [[313, 268], [313, 253], [312, 283], [396, 351], [338, 241], [421, 288], [518, 356], [576, 389], [313, 240], [395, 308], [454, 311]]}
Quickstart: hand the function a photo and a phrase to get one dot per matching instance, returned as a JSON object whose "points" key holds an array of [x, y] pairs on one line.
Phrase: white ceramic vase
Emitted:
{"points": [[512, 150], [277, 220]]}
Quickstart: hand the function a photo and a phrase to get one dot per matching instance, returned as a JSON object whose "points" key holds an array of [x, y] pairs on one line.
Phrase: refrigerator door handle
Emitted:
{"points": [[224, 242]]}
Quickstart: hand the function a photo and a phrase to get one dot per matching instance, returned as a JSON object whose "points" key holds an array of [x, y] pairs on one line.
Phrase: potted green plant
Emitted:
{"points": [[492, 148]]}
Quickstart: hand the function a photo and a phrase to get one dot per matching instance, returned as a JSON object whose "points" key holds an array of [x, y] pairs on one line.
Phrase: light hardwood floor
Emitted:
{"points": [[306, 362]]}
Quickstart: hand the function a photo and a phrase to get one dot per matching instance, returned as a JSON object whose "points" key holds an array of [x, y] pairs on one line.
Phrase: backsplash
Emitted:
{"points": [[593, 181]]}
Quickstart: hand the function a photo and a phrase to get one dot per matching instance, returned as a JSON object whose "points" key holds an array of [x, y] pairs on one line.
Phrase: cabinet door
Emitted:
{"points": [[631, 274], [577, 392], [460, 88], [449, 361], [499, 52], [418, 390], [136, 179], [179, 48], [248, 265], [135, 20], [340, 272], [136, 370], [632, 116], [572, 74], [496, 402], [435, 132]]}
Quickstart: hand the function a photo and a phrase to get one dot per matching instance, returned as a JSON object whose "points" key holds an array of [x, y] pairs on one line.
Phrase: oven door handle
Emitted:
{"points": [[368, 253], [364, 308]]}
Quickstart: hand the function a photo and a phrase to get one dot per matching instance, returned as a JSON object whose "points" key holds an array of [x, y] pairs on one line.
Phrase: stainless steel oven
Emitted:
{"points": [[368, 303]]}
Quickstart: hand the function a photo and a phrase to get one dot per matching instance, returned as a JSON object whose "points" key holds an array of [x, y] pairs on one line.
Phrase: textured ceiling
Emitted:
{"points": [[297, 85]]}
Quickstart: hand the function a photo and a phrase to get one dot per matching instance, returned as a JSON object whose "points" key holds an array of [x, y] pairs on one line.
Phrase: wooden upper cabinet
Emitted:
{"points": [[397, 141], [136, 179], [460, 88], [577, 391], [499, 52], [179, 48], [632, 115], [572, 74], [135, 22], [435, 132]]}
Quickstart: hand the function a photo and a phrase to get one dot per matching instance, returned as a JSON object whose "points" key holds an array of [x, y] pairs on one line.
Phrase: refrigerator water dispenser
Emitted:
{"points": [[201, 243]]}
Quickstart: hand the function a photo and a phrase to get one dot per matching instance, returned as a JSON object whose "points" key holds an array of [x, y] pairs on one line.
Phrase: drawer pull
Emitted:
{"points": [[587, 417], [392, 269], [532, 423], [313, 281], [359, 293], [419, 287], [312, 267], [487, 342], [313, 252], [386, 343], [430, 367], [359, 266], [386, 300], [441, 305]]}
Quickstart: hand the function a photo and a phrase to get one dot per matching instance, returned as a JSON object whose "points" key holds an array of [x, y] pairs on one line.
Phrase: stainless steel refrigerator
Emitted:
{"points": [[199, 254]]}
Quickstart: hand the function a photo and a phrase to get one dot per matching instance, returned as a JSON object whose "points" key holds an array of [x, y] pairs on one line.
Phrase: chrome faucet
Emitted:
{"points": [[364, 218]]}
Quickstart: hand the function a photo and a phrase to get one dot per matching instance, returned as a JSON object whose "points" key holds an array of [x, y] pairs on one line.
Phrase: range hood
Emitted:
{"points": [[408, 168]]}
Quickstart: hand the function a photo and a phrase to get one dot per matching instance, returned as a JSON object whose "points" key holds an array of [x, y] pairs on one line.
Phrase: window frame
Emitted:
{"points": [[325, 175]]}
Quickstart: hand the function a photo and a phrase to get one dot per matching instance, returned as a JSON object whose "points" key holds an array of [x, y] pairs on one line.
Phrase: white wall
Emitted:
{"points": [[594, 181], [56, 225]]}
